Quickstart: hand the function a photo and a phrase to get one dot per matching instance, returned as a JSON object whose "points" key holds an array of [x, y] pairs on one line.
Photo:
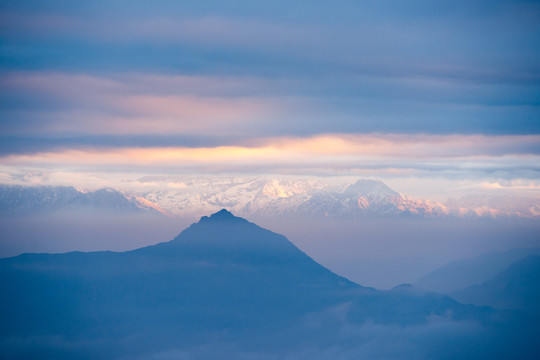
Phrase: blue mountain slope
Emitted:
{"points": [[223, 279], [221, 274], [461, 274], [517, 287]]}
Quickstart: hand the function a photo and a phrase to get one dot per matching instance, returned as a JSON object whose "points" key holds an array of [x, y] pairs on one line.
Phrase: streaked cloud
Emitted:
{"points": [[80, 104], [44, 107], [345, 153], [303, 69], [446, 89]]}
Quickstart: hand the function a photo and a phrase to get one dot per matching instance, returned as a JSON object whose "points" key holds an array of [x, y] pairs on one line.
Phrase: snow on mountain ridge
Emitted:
{"points": [[261, 196], [15, 199], [265, 196], [494, 206], [293, 197]]}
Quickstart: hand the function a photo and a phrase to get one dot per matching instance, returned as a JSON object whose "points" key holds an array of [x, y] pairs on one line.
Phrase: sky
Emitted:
{"points": [[422, 93]]}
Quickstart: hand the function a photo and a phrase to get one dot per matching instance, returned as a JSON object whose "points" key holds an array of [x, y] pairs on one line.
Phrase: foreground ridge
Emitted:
{"points": [[227, 281]]}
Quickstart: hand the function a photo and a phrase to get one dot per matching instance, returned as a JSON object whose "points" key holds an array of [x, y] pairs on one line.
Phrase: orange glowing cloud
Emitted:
{"points": [[320, 152]]}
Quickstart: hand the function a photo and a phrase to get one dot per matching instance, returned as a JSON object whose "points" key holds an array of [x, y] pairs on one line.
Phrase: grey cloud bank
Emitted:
{"points": [[465, 67]]}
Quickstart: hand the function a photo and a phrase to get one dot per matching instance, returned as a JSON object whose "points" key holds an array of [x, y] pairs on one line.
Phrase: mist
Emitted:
{"points": [[227, 288], [378, 252], [60, 232], [388, 251]]}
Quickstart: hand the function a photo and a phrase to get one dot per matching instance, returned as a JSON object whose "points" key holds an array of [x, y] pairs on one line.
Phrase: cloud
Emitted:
{"points": [[51, 109], [369, 341], [347, 153], [272, 87], [60, 104], [471, 40]]}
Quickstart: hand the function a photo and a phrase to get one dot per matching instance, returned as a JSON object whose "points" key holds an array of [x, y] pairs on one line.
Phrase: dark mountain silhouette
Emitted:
{"points": [[222, 280], [461, 274], [222, 274], [517, 287]]}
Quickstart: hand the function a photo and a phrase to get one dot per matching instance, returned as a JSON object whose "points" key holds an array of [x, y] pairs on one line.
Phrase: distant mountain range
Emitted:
{"points": [[226, 288], [264, 198], [303, 198], [28, 200], [495, 206]]}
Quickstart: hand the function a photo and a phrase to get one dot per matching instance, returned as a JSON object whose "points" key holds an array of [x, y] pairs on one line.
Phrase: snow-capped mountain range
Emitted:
{"points": [[258, 196], [315, 197], [24, 200], [286, 197], [478, 205]]}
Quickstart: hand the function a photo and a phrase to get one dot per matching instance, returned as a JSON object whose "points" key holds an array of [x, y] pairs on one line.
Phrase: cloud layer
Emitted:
{"points": [[348, 154], [248, 69], [447, 88]]}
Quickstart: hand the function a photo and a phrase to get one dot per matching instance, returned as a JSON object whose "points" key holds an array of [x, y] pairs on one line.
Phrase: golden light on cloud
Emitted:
{"points": [[327, 151]]}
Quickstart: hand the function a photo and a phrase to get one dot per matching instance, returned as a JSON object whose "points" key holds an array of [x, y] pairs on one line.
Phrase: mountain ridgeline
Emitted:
{"points": [[222, 274], [517, 287], [226, 288], [465, 273], [252, 196], [30, 200]]}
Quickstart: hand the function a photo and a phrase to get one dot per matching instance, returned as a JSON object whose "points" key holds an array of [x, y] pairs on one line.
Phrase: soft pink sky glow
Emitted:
{"points": [[427, 160]]}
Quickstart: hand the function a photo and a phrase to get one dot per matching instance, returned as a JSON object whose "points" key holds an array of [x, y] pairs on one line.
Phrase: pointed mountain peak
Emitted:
{"points": [[222, 213], [223, 237], [222, 216], [367, 186]]}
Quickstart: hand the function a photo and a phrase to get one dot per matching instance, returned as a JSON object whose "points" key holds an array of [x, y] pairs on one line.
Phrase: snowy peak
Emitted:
{"points": [[368, 198], [259, 196], [371, 188]]}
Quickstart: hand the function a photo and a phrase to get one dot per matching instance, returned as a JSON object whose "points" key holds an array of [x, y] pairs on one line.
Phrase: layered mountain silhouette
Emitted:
{"points": [[462, 274], [224, 280], [517, 287]]}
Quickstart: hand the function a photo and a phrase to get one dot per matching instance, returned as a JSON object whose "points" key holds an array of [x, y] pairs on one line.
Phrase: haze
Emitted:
{"points": [[384, 139]]}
